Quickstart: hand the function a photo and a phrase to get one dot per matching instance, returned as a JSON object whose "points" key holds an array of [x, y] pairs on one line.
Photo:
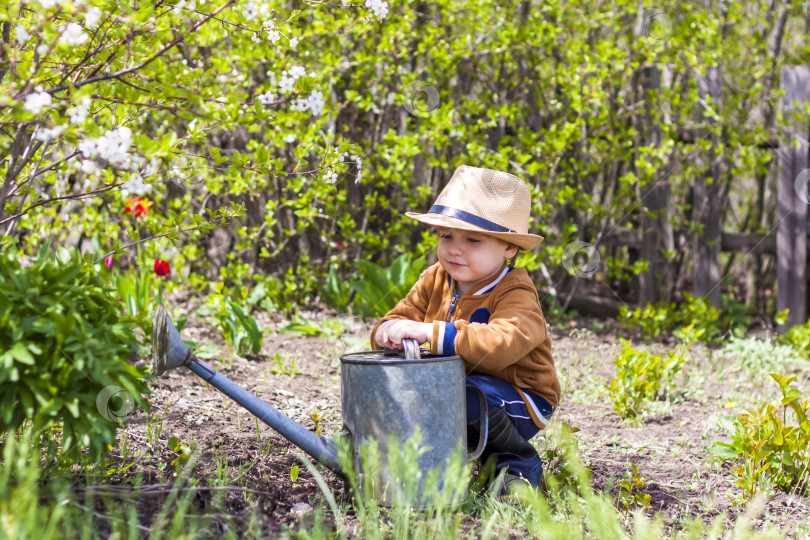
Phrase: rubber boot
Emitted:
{"points": [[511, 451], [503, 437]]}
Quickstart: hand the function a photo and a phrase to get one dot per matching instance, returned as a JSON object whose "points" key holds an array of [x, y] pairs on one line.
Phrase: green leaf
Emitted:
{"points": [[173, 444], [294, 473], [19, 352]]}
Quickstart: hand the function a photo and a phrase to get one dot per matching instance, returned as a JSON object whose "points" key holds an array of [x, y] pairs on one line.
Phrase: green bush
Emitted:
{"points": [[640, 376], [335, 292], [769, 447], [798, 337], [380, 289], [239, 329], [707, 322], [65, 347]]}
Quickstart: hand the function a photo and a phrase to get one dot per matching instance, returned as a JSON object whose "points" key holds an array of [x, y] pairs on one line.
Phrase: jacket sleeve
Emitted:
{"points": [[411, 308], [516, 327]]}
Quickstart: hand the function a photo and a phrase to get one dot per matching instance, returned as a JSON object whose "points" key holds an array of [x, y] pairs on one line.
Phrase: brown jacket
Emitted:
{"points": [[498, 328]]}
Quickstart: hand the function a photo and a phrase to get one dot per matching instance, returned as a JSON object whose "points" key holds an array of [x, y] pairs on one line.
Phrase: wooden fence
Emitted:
{"points": [[787, 241]]}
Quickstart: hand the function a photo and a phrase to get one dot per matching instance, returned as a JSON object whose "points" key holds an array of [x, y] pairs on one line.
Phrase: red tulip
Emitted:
{"points": [[138, 206], [109, 261], [162, 268]]}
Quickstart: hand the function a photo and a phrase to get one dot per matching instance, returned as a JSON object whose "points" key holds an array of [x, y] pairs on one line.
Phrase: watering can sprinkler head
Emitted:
{"points": [[169, 351]]}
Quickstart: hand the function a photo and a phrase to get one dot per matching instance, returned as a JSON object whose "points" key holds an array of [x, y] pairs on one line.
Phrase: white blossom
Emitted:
{"points": [[288, 78], [20, 34], [316, 102], [48, 3], [87, 147], [78, 114], [49, 133], [37, 101], [42, 49], [253, 10], [90, 167], [379, 8], [72, 34], [266, 98], [151, 167], [359, 162], [112, 146], [134, 163], [286, 83], [299, 105], [293, 42], [330, 177], [92, 16], [135, 186], [289, 138], [273, 35]]}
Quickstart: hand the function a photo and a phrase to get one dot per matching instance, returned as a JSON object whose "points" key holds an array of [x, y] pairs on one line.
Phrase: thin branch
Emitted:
{"points": [[66, 197], [127, 246], [28, 182], [143, 64], [133, 85], [350, 6]]}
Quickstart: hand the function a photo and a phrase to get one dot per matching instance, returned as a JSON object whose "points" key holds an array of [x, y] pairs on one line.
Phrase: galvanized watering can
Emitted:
{"points": [[383, 393]]}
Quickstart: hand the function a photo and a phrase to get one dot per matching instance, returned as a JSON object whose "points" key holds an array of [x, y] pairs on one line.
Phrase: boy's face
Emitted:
{"points": [[470, 257]]}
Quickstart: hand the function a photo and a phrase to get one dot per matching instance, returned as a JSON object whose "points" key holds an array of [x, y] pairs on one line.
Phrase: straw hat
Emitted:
{"points": [[483, 200]]}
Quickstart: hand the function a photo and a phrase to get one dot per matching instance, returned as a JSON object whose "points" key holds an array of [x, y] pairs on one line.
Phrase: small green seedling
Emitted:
{"points": [[317, 416], [294, 473], [183, 451], [281, 369], [631, 490]]}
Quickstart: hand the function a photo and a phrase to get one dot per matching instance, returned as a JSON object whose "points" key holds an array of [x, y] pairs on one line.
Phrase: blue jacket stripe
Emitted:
{"points": [[449, 343]]}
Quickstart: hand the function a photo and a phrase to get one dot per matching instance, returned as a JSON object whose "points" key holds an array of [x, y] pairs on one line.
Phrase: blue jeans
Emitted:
{"points": [[500, 393]]}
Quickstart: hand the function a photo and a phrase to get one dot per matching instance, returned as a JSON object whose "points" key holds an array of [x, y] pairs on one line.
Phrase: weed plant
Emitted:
{"points": [[770, 446], [567, 509], [756, 357], [643, 376]]}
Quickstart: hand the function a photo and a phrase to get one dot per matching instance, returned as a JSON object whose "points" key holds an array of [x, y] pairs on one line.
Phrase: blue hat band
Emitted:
{"points": [[469, 218]]}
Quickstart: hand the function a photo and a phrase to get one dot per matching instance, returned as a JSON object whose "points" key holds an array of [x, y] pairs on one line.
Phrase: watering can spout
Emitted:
{"points": [[170, 352]]}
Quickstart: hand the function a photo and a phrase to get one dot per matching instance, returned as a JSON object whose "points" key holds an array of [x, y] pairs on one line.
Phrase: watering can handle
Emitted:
{"points": [[483, 423], [410, 348]]}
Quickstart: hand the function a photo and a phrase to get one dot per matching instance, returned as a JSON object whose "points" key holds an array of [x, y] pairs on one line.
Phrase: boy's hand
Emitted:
{"points": [[391, 333]]}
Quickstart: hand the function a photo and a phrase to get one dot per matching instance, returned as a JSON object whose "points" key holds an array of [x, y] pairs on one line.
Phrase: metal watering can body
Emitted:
{"points": [[383, 394], [387, 396]]}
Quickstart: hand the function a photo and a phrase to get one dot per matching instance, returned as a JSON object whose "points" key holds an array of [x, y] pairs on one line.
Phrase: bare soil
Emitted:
{"points": [[670, 449]]}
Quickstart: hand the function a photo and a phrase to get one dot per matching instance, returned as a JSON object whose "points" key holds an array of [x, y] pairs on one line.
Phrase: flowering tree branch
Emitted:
{"points": [[121, 73]]}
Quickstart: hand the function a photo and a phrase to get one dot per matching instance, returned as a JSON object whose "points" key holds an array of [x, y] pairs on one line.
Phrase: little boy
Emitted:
{"points": [[474, 304]]}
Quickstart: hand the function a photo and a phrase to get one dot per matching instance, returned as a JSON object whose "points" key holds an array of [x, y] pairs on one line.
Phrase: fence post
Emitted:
{"points": [[706, 200], [793, 192], [656, 230]]}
